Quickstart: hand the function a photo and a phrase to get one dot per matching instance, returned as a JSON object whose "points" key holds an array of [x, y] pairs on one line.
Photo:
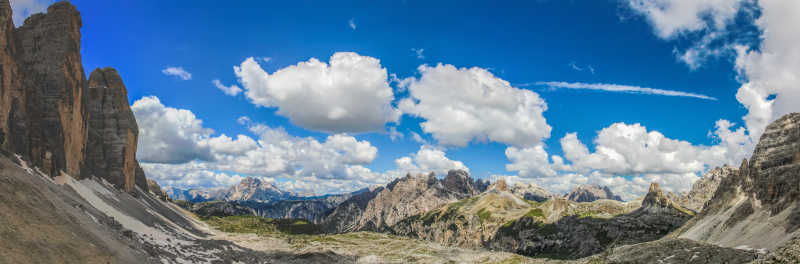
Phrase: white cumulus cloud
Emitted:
{"points": [[427, 159], [169, 135], [351, 93], [674, 17], [461, 105], [770, 74], [178, 151]]}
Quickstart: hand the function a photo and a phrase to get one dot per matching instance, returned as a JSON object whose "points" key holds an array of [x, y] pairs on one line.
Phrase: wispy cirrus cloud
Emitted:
{"points": [[177, 72], [352, 23], [609, 87]]}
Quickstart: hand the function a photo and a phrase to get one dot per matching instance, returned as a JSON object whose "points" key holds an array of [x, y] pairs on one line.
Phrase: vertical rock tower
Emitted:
{"points": [[50, 114], [112, 131]]}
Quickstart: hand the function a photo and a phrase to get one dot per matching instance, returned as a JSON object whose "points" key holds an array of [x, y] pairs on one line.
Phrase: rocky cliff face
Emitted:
{"points": [[383, 207], [112, 131], [192, 195], [568, 229], [703, 189], [590, 193], [51, 115], [467, 223], [156, 190], [252, 189], [500, 220], [43, 115], [314, 210], [757, 207], [531, 192], [655, 202]]}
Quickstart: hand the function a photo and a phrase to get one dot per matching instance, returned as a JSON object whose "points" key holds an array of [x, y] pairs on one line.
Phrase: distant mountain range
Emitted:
{"points": [[591, 193]]}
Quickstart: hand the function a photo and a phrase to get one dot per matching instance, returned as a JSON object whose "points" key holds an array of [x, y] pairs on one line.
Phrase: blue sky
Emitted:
{"points": [[525, 42]]}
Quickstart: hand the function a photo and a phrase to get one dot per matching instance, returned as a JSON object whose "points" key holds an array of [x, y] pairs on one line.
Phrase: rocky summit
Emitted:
{"points": [[413, 194], [566, 229], [531, 192], [51, 115], [252, 189], [591, 193], [756, 206], [703, 189]]}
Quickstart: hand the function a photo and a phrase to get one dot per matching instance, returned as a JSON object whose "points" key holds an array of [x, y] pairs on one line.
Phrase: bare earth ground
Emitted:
{"points": [[369, 247]]}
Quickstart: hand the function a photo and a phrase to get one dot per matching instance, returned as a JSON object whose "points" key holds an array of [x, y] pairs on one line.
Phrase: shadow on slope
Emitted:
{"points": [[581, 235], [62, 220]]}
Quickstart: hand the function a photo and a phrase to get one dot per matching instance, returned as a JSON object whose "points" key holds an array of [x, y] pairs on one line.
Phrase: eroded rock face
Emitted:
{"points": [[531, 192], [252, 189], [757, 206], [591, 193], [413, 194], [655, 202], [51, 115], [703, 189], [569, 229], [43, 111], [156, 190], [112, 131]]}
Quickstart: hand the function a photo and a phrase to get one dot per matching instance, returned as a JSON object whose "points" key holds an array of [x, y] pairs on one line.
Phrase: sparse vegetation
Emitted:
{"points": [[533, 213], [484, 215], [262, 225], [547, 229]]}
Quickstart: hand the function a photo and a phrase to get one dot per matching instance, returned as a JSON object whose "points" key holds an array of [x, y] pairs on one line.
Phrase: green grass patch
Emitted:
{"points": [[586, 214], [533, 213], [484, 214], [262, 225]]}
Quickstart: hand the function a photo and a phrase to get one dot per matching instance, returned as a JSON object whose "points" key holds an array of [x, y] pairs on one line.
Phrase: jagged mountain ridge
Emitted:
{"points": [[756, 207], [500, 220], [413, 194], [703, 189], [591, 193], [253, 189]]}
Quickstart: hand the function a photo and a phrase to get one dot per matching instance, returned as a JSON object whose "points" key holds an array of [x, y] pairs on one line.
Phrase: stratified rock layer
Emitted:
{"points": [[112, 131], [704, 188], [252, 189], [757, 207], [383, 207], [591, 193], [43, 112], [531, 192], [51, 115]]}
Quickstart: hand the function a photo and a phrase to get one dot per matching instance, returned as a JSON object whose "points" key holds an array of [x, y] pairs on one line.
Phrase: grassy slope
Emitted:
{"points": [[294, 235]]}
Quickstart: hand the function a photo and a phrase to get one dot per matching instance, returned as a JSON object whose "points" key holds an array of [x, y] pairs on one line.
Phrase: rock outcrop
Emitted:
{"points": [[51, 115], [113, 132], [655, 202], [591, 193], [383, 207], [500, 220], [252, 189], [469, 222], [531, 192], [43, 112], [567, 229], [703, 189], [757, 206], [156, 190]]}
